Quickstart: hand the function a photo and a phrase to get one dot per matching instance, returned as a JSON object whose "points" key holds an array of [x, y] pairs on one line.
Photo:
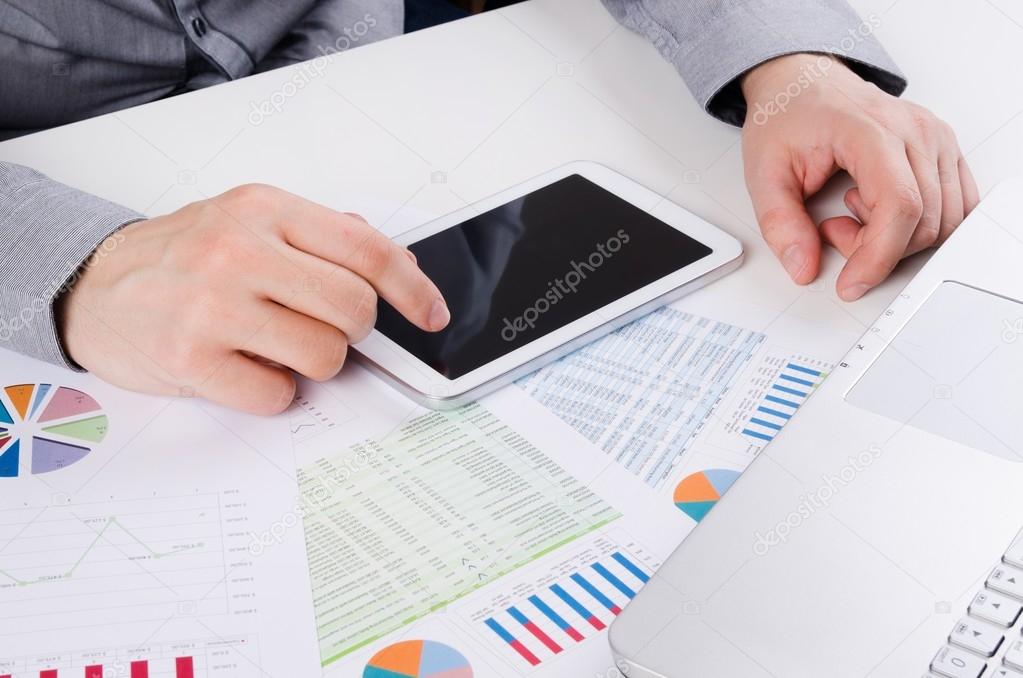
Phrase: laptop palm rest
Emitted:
{"points": [[950, 368]]}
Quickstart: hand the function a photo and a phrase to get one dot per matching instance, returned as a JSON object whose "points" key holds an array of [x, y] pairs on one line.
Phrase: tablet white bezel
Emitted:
{"points": [[428, 387]]}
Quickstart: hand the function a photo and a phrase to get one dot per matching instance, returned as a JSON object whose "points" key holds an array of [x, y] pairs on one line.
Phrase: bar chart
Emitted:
{"points": [[559, 614], [214, 658], [766, 398], [790, 388]]}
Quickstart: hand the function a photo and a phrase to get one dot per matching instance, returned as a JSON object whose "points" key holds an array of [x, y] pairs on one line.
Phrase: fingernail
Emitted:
{"points": [[794, 260], [411, 256], [439, 315], [854, 292]]}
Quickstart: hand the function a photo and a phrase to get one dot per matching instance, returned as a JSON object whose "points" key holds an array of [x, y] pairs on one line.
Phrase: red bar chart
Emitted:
{"points": [[218, 658], [184, 667]]}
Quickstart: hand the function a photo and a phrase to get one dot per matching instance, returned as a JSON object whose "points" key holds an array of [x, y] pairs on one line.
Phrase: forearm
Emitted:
{"points": [[713, 43], [48, 231]]}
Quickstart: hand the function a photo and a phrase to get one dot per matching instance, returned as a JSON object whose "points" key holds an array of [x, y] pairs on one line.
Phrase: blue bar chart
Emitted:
{"points": [[563, 613], [789, 389]]}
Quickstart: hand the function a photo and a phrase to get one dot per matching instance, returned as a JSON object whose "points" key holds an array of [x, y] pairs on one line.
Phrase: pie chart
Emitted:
{"points": [[44, 428], [418, 659], [696, 495]]}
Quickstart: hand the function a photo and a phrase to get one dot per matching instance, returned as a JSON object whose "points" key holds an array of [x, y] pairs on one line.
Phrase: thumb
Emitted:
{"points": [[786, 225]]}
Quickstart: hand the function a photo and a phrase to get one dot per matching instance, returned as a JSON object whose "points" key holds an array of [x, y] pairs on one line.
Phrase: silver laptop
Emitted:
{"points": [[879, 534]]}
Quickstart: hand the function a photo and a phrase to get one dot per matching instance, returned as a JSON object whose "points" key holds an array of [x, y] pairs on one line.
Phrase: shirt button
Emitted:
{"points": [[199, 26]]}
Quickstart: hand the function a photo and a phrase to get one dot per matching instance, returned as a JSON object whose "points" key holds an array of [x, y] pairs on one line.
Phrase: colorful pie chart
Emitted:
{"points": [[418, 659], [44, 428], [696, 495]]}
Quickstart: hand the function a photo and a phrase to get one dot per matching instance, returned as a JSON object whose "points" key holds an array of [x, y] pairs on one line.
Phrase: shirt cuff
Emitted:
{"points": [[48, 232], [749, 33]]}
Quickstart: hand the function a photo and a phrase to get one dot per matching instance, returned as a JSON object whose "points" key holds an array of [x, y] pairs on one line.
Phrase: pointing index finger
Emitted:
{"points": [[347, 240]]}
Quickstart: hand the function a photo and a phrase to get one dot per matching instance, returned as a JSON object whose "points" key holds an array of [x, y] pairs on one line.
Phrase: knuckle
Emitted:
{"points": [[375, 254], [363, 310], [929, 232], [249, 194], [908, 201], [774, 221], [923, 122], [328, 356], [278, 400], [945, 130]]}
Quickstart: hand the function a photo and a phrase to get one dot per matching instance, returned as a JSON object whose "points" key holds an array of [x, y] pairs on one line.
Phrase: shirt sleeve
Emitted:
{"points": [[713, 43], [48, 231]]}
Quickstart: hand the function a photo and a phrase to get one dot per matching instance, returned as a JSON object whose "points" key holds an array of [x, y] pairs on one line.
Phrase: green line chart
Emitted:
{"points": [[108, 523]]}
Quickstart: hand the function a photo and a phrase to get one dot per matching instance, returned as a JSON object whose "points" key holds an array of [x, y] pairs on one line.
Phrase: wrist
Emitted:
{"points": [[789, 75]]}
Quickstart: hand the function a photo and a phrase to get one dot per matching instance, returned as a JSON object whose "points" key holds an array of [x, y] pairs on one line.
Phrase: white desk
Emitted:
{"points": [[455, 113], [418, 126], [492, 100]]}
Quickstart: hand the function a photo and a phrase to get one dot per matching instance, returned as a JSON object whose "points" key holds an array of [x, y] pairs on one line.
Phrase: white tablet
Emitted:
{"points": [[537, 271]]}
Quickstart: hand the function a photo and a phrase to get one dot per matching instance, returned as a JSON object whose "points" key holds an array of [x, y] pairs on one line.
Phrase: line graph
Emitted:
{"points": [[118, 562], [100, 536]]}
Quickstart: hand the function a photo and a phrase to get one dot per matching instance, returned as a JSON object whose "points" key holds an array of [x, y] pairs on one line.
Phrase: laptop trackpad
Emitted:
{"points": [[955, 370]]}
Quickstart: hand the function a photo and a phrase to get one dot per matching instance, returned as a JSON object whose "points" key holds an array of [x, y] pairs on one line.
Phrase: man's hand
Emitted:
{"points": [[809, 116], [222, 297]]}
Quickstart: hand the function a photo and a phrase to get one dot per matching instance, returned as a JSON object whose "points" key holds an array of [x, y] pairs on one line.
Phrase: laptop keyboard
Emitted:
{"points": [[987, 642]]}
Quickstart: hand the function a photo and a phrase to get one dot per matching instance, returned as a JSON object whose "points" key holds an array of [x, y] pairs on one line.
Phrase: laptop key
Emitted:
{"points": [[1002, 672], [1007, 580], [1014, 556], [952, 662], [995, 608], [1014, 655], [976, 636]]}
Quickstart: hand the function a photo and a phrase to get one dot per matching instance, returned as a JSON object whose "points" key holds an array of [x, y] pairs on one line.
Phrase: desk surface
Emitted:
{"points": [[420, 125]]}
